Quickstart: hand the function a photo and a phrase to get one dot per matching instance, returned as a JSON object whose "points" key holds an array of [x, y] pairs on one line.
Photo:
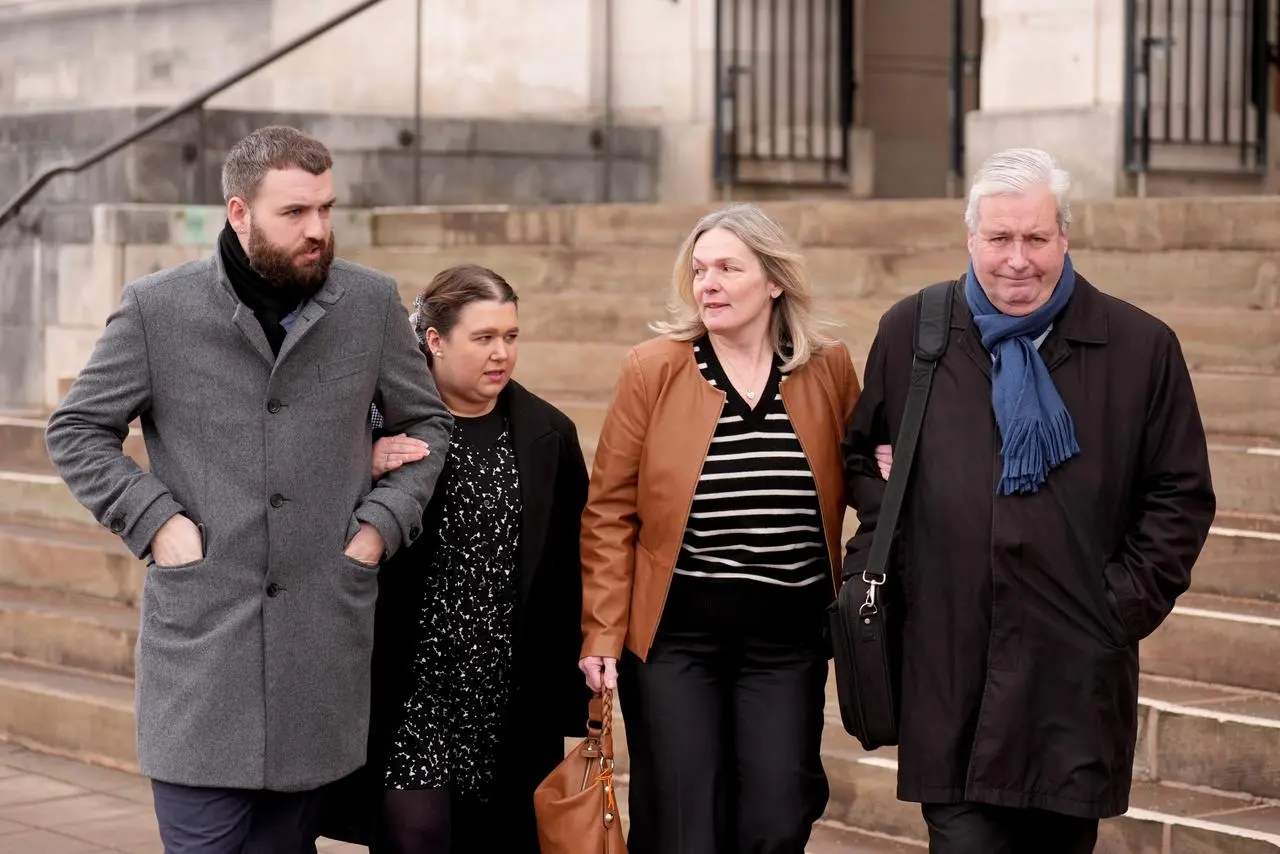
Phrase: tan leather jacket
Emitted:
{"points": [[652, 445]]}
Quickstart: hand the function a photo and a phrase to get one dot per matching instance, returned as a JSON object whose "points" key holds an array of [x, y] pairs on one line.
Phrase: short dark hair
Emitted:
{"points": [[268, 148], [449, 293]]}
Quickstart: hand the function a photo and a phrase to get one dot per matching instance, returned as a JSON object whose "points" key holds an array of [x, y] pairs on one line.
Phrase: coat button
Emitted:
{"points": [[117, 525], [273, 405], [277, 500], [273, 590], [414, 532]]}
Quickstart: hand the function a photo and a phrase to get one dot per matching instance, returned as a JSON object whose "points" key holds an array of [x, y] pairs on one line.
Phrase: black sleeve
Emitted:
{"points": [[868, 427], [1175, 502]]}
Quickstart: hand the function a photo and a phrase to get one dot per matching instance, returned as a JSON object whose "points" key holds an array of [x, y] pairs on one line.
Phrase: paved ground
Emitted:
{"points": [[55, 806]]}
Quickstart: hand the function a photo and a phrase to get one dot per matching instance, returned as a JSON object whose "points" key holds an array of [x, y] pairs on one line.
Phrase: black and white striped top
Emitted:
{"points": [[755, 514]]}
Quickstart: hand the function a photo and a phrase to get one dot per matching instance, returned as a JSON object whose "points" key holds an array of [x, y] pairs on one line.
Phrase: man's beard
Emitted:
{"points": [[275, 264]]}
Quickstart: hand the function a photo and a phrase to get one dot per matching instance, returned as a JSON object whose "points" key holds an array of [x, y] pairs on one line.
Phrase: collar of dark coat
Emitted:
{"points": [[528, 414], [1084, 319]]}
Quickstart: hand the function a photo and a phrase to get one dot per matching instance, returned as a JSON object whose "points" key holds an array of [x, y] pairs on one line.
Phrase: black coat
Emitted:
{"points": [[549, 697], [1023, 613]]}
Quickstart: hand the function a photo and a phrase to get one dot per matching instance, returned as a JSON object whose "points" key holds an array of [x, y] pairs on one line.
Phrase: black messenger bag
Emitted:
{"points": [[864, 635]]}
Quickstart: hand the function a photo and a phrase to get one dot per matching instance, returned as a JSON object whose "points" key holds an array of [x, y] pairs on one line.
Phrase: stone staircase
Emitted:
{"points": [[590, 279]]}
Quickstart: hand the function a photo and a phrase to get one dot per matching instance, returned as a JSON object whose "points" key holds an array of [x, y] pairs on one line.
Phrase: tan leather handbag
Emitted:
{"points": [[576, 806]]}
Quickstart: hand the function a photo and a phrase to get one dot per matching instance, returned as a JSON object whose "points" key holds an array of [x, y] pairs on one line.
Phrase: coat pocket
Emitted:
{"points": [[182, 595], [340, 368], [359, 564]]}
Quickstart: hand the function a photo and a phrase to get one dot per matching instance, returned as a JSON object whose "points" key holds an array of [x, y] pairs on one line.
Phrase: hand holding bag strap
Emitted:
{"points": [[605, 777], [932, 327]]}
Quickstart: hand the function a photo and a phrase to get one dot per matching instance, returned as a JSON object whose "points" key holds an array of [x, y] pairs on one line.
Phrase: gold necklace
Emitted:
{"points": [[751, 394]]}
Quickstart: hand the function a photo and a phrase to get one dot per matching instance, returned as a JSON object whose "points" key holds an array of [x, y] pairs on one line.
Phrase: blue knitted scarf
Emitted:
{"points": [[1037, 429]]}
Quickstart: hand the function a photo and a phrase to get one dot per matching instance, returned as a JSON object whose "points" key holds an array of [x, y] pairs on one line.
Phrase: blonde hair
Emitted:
{"points": [[792, 324]]}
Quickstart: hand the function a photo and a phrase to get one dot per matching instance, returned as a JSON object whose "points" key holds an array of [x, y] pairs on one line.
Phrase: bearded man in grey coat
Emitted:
{"points": [[253, 372]]}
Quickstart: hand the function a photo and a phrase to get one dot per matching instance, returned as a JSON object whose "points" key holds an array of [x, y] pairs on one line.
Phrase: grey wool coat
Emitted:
{"points": [[252, 664]]}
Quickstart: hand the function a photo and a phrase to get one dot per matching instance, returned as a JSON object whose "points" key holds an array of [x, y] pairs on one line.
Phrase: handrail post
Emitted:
{"points": [[417, 102]]}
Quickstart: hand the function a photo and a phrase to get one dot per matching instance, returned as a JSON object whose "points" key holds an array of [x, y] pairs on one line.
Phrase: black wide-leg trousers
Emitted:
{"points": [[724, 738]]}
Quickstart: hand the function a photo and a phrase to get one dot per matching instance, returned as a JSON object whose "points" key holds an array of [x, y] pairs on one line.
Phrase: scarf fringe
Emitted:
{"points": [[1034, 447]]}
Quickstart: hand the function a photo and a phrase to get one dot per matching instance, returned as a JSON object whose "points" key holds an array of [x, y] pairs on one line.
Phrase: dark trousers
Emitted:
{"points": [[235, 821], [982, 829], [724, 739]]}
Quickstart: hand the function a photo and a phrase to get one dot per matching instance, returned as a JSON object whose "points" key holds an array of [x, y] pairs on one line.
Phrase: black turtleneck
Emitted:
{"points": [[269, 303]]}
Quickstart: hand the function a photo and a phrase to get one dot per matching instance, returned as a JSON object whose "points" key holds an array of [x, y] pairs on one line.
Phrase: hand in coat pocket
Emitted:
{"points": [[366, 546], [178, 542]]}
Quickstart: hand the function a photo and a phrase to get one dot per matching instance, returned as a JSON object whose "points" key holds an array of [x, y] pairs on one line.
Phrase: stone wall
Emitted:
{"points": [[490, 59], [463, 161]]}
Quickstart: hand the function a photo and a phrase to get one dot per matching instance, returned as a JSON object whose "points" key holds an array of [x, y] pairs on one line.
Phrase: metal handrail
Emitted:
{"points": [[158, 121]]}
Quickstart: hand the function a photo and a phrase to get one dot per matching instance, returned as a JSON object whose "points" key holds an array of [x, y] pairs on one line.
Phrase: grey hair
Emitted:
{"points": [[1016, 170], [266, 149]]}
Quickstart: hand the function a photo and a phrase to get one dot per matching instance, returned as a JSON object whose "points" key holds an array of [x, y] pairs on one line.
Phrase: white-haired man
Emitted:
{"points": [[1059, 496]]}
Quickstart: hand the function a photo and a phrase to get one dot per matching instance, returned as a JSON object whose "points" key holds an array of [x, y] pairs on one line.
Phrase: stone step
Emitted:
{"points": [[1215, 338], [1154, 281], [42, 499], [1198, 734], [22, 447], [22, 441], [1211, 338], [67, 631], [864, 796], [1135, 225], [1239, 403], [69, 713], [1246, 475], [69, 561], [1216, 639], [1241, 559]]}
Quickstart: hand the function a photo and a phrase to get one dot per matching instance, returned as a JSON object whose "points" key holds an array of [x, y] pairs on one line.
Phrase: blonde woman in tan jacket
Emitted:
{"points": [[711, 548]]}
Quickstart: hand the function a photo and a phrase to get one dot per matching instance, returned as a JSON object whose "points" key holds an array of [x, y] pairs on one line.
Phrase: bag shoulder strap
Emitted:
{"points": [[933, 320], [933, 327]]}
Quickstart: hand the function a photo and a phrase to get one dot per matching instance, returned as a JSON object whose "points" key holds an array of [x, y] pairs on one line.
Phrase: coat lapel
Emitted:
{"points": [[310, 314], [242, 316], [1084, 321], [249, 327], [970, 341], [245, 320], [537, 459]]}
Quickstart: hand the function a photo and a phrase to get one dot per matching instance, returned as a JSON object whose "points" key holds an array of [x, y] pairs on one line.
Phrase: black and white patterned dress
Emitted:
{"points": [[462, 664]]}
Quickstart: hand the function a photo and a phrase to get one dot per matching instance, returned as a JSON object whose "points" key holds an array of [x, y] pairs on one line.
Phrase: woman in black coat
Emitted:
{"points": [[475, 680]]}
